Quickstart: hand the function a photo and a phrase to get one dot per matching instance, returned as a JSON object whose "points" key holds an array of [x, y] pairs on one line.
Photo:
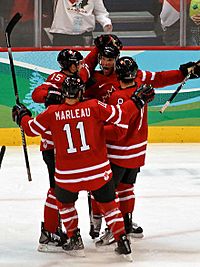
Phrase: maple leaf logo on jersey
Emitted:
{"points": [[45, 144], [106, 176], [107, 93]]}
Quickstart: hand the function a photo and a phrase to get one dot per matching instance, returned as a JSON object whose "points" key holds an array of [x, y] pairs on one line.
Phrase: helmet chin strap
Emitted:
{"points": [[114, 67], [73, 72]]}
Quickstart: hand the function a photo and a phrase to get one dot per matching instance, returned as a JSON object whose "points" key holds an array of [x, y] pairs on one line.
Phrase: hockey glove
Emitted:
{"points": [[191, 67], [18, 112], [106, 40], [53, 98], [143, 95]]}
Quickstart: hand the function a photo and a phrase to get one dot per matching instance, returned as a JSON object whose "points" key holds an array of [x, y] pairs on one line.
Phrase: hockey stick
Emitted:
{"points": [[90, 214], [174, 94], [2, 153], [8, 32]]}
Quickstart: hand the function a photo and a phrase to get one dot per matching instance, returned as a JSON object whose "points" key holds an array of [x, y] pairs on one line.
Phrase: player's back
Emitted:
{"points": [[129, 151], [78, 135]]}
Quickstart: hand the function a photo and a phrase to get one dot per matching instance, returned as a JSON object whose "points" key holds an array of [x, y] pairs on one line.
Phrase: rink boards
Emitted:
{"points": [[179, 123]]}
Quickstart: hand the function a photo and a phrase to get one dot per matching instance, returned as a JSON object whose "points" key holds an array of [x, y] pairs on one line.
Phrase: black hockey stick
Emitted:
{"points": [[8, 32], [90, 215], [2, 152], [174, 94]]}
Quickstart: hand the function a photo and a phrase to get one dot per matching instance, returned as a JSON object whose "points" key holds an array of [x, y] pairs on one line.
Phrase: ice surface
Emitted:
{"points": [[167, 207]]}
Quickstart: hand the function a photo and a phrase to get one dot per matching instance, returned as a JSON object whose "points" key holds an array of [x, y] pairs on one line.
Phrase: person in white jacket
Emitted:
{"points": [[74, 21], [170, 22]]}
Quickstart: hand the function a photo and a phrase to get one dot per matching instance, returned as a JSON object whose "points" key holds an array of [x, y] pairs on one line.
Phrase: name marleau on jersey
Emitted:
{"points": [[72, 114]]}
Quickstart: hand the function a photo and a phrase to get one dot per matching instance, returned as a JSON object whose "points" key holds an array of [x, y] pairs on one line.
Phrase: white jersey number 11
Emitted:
{"points": [[80, 127]]}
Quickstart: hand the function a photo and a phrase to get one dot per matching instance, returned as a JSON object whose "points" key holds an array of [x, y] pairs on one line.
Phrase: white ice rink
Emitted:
{"points": [[167, 207]]}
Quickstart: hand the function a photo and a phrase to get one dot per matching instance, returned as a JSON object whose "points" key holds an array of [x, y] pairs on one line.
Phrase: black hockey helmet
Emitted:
{"points": [[71, 86], [67, 57], [109, 52], [126, 68]]}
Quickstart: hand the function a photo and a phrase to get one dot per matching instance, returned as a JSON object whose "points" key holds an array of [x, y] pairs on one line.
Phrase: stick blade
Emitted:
{"points": [[3, 149], [2, 152], [13, 22]]}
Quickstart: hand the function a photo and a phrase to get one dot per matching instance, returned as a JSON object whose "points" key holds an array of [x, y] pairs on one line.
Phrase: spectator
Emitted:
{"points": [[194, 15], [47, 17], [74, 21], [170, 21]]}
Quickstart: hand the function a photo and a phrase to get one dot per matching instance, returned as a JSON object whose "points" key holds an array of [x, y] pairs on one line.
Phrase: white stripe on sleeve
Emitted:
{"points": [[112, 114]]}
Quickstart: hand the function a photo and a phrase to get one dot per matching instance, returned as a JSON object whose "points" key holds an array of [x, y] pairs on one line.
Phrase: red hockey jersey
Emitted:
{"points": [[130, 151], [79, 138], [101, 87], [39, 95], [55, 80]]}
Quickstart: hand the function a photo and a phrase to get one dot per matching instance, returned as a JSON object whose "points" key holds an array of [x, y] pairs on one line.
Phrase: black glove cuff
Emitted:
{"points": [[22, 113], [138, 102], [184, 68]]}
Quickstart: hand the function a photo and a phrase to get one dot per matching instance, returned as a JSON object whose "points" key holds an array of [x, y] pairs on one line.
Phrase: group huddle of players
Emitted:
{"points": [[94, 137]]}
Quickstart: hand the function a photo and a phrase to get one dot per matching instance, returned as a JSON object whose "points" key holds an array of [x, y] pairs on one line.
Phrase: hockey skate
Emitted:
{"points": [[74, 245], [106, 239], [95, 226], [50, 242], [132, 229], [123, 248]]}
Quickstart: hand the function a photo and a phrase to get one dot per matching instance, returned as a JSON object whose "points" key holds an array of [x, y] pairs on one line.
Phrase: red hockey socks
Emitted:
{"points": [[51, 214], [113, 217], [126, 198], [69, 216], [95, 205]]}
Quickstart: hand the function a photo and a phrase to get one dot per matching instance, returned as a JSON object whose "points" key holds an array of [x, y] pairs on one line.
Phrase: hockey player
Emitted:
{"points": [[107, 83], [70, 61], [81, 155], [104, 81], [127, 154], [52, 237]]}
